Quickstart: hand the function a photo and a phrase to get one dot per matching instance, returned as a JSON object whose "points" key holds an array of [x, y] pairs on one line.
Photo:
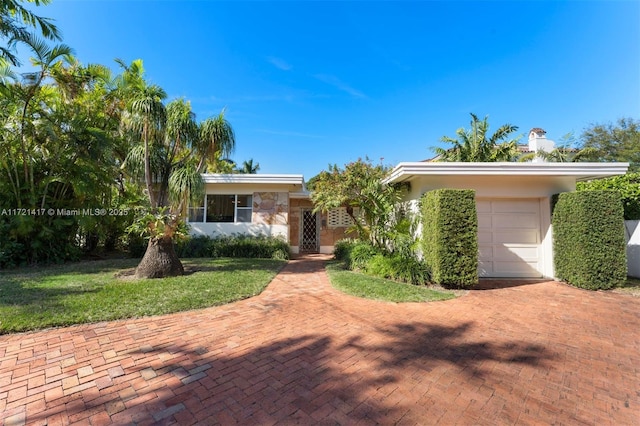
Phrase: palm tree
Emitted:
{"points": [[171, 153], [14, 20], [249, 168], [217, 140], [474, 145]]}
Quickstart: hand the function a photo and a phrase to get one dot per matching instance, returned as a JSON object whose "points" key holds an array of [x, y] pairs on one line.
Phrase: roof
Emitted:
{"points": [[278, 179], [404, 172]]}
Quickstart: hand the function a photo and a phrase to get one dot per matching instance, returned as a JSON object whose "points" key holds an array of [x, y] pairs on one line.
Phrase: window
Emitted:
{"points": [[223, 208], [196, 213]]}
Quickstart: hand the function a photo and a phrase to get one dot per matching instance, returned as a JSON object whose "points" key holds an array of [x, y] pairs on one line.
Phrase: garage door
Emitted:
{"points": [[509, 238]]}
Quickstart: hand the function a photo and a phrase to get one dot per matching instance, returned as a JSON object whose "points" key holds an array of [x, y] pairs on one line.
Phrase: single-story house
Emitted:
{"points": [[513, 202], [513, 205], [266, 204]]}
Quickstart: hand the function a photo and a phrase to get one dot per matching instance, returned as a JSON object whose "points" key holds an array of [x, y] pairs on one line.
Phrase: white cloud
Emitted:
{"points": [[341, 85], [279, 63]]}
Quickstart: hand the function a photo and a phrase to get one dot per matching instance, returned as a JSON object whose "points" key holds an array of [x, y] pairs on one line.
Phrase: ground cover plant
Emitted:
{"points": [[75, 293], [369, 287]]}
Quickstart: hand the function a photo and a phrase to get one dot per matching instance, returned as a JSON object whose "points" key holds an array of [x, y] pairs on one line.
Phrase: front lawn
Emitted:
{"points": [[369, 287], [76, 293]]}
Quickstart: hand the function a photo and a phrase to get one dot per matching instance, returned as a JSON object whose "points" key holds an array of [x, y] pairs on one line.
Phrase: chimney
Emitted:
{"points": [[538, 142]]}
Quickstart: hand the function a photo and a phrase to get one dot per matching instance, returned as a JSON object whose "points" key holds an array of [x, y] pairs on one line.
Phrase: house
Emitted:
{"points": [[513, 205], [513, 202], [276, 205]]}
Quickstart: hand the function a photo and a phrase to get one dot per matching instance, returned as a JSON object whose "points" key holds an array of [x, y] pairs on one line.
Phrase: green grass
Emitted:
{"points": [[369, 287], [83, 292], [631, 286]]}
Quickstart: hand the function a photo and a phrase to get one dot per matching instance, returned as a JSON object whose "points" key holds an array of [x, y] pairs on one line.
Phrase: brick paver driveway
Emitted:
{"points": [[304, 353]]}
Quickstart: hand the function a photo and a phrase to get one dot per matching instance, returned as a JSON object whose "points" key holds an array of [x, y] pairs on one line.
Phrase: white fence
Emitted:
{"points": [[633, 247]]}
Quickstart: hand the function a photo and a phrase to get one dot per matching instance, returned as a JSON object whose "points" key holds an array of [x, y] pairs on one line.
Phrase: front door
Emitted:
{"points": [[309, 232]]}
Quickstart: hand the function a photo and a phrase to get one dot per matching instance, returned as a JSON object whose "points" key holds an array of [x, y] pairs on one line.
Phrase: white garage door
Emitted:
{"points": [[509, 238]]}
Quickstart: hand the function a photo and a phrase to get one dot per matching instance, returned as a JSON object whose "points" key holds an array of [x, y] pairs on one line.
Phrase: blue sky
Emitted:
{"points": [[308, 83]]}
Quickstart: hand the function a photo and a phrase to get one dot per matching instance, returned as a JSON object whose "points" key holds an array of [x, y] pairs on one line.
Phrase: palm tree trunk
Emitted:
{"points": [[160, 260]]}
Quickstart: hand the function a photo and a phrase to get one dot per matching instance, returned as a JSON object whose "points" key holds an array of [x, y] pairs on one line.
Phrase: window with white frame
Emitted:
{"points": [[218, 208]]}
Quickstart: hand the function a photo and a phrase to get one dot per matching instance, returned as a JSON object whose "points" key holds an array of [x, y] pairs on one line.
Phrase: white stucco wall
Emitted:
{"points": [[512, 187], [219, 229], [633, 247]]}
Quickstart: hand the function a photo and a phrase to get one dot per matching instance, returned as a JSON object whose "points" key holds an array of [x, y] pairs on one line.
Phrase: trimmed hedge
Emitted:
{"points": [[629, 187], [240, 245], [588, 239], [450, 236]]}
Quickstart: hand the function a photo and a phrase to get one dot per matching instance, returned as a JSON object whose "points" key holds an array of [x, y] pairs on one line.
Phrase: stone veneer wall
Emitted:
{"points": [[328, 236], [270, 208]]}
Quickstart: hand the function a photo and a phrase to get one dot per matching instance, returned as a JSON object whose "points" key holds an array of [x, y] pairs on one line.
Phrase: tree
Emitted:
{"points": [[615, 142], [249, 168], [358, 185], [169, 153], [15, 21], [475, 145]]}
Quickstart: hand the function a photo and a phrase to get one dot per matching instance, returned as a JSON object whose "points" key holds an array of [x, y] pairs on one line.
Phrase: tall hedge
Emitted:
{"points": [[450, 236], [588, 238], [627, 185]]}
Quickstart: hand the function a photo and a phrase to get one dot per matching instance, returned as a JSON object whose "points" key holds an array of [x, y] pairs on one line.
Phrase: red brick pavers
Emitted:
{"points": [[304, 353]]}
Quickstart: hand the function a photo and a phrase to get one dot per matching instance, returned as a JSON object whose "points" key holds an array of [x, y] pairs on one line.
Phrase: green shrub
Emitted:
{"points": [[589, 241], [627, 185], [342, 248], [198, 246], [450, 236], [240, 246], [398, 268], [360, 254]]}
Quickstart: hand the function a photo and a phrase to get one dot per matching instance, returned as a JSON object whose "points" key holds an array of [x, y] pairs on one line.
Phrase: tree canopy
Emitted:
{"points": [[618, 141], [475, 144]]}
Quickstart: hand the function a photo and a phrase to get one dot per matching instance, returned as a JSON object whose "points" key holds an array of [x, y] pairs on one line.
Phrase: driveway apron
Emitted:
{"points": [[305, 353]]}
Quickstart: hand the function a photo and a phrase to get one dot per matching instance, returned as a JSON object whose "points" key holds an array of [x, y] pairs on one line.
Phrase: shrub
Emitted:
{"points": [[398, 268], [342, 248], [241, 245], [450, 236], [627, 185], [589, 241], [360, 254]]}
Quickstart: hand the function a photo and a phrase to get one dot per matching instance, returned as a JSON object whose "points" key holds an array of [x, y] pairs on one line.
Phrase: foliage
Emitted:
{"points": [[627, 185], [362, 256], [15, 21], [565, 152], [369, 287], [236, 246], [450, 236], [615, 142], [589, 242], [475, 144], [75, 293], [358, 187], [398, 268], [249, 167]]}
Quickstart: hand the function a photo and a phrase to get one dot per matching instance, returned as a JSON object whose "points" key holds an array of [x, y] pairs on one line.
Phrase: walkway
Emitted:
{"points": [[303, 353]]}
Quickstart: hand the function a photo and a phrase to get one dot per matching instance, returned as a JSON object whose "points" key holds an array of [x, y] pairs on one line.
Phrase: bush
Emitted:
{"points": [[342, 248], [450, 236], [588, 238], [398, 268], [627, 185], [241, 245]]}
